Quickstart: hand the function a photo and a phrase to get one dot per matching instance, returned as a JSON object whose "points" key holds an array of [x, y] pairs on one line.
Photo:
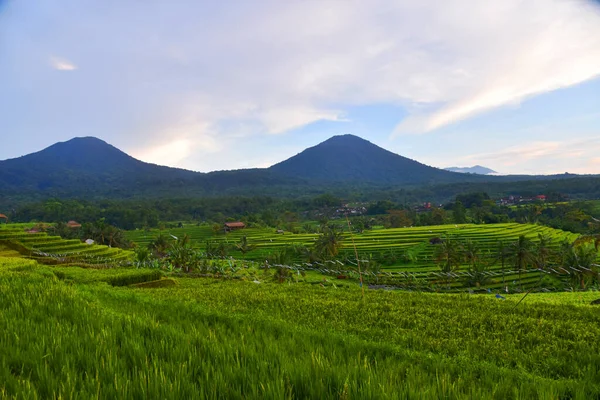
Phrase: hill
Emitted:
{"points": [[349, 158], [88, 167], [346, 166], [82, 162], [476, 169]]}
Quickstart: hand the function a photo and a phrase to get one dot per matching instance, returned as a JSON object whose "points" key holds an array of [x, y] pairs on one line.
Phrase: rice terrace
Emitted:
{"points": [[300, 200], [243, 324]]}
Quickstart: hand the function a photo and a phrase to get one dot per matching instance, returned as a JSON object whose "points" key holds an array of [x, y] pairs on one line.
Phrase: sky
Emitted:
{"points": [[513, 85]]}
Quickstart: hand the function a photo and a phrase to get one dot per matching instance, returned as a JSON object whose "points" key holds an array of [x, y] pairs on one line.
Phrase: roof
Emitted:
{"points": [[73, 224], [235, 224], [3, 216]]}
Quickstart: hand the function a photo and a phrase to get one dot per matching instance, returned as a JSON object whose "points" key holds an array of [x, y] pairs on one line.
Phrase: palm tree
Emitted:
{"points": [[159, 246], [281, 260], [502, 254], [471, 252], [472, 256], [580, 260], [243, 246], [329, 242], [448, 256], [182, 255], [542, 251], [522, 255]]}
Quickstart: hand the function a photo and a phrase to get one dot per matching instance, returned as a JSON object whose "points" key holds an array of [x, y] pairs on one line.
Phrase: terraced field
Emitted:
{"points": [[15, 241], [410, 249]]}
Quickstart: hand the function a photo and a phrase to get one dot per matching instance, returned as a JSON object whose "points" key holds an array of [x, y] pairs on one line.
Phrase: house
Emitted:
{"points": [[232, 226], [3, 218], [73, 224], [540, 197]]}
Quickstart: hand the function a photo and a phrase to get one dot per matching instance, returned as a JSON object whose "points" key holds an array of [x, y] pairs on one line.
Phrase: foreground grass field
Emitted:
{"points": [[67, 333]]}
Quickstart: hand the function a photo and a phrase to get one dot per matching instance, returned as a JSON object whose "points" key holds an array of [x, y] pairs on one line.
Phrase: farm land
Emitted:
{"points": [[96, 322]]}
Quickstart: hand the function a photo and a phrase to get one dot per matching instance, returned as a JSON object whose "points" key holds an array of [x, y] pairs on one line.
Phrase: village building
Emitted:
{"points": [[232, 226], [3, 219], [73, 224]]}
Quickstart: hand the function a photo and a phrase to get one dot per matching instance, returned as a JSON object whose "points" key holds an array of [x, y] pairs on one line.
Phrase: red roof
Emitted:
{"points": [[73, 224], [235, 224], [3, 216]]}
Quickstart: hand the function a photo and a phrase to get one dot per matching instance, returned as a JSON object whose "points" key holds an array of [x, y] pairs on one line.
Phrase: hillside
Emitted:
{"points": [[348, 158]]}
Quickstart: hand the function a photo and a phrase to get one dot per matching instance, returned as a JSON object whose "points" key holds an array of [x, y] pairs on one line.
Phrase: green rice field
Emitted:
{"points": [[67, 332], [383, 245], [17, 239]]}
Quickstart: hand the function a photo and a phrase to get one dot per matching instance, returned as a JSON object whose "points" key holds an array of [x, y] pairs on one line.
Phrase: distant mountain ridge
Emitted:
{"points": [[93, 169], [476, 169]]}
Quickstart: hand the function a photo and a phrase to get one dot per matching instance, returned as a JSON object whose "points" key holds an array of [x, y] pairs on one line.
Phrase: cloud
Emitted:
{"points": [[170, 153], [62, 64], [281, 120], [527, 49], [211, 74], [545, 157]]}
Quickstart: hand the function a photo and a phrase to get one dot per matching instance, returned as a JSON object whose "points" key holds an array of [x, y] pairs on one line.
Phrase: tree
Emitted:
{"points": [[459, 213], [281, 260], [103, 233], [448, 257], [243, 246], [400, 218], [522, 255], [503, 253], [542, 251], [181, 255], [329, 242], [474, 199], [159, 246], [476, 266], [580, 260]]}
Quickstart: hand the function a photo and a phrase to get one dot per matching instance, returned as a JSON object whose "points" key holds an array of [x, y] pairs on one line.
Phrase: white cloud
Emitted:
{"points": [[281, 120], [528, 48], [206, 74], [542, 157], [62, 64], [170, 153]]}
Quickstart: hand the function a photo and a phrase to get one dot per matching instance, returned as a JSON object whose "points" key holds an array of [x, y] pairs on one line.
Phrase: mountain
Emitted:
{"points": [[89, 168], [84, 161], [476, 169], [349, 158]]}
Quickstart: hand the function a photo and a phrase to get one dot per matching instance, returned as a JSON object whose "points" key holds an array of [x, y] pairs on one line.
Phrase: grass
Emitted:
{"points": [[79, 337]]}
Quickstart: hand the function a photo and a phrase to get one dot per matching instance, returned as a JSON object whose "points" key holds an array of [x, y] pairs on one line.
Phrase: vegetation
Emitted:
{"points": [[74, 335]]}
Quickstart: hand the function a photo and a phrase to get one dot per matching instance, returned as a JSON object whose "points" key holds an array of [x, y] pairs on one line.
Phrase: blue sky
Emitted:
{"points": [[512, 85]]}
